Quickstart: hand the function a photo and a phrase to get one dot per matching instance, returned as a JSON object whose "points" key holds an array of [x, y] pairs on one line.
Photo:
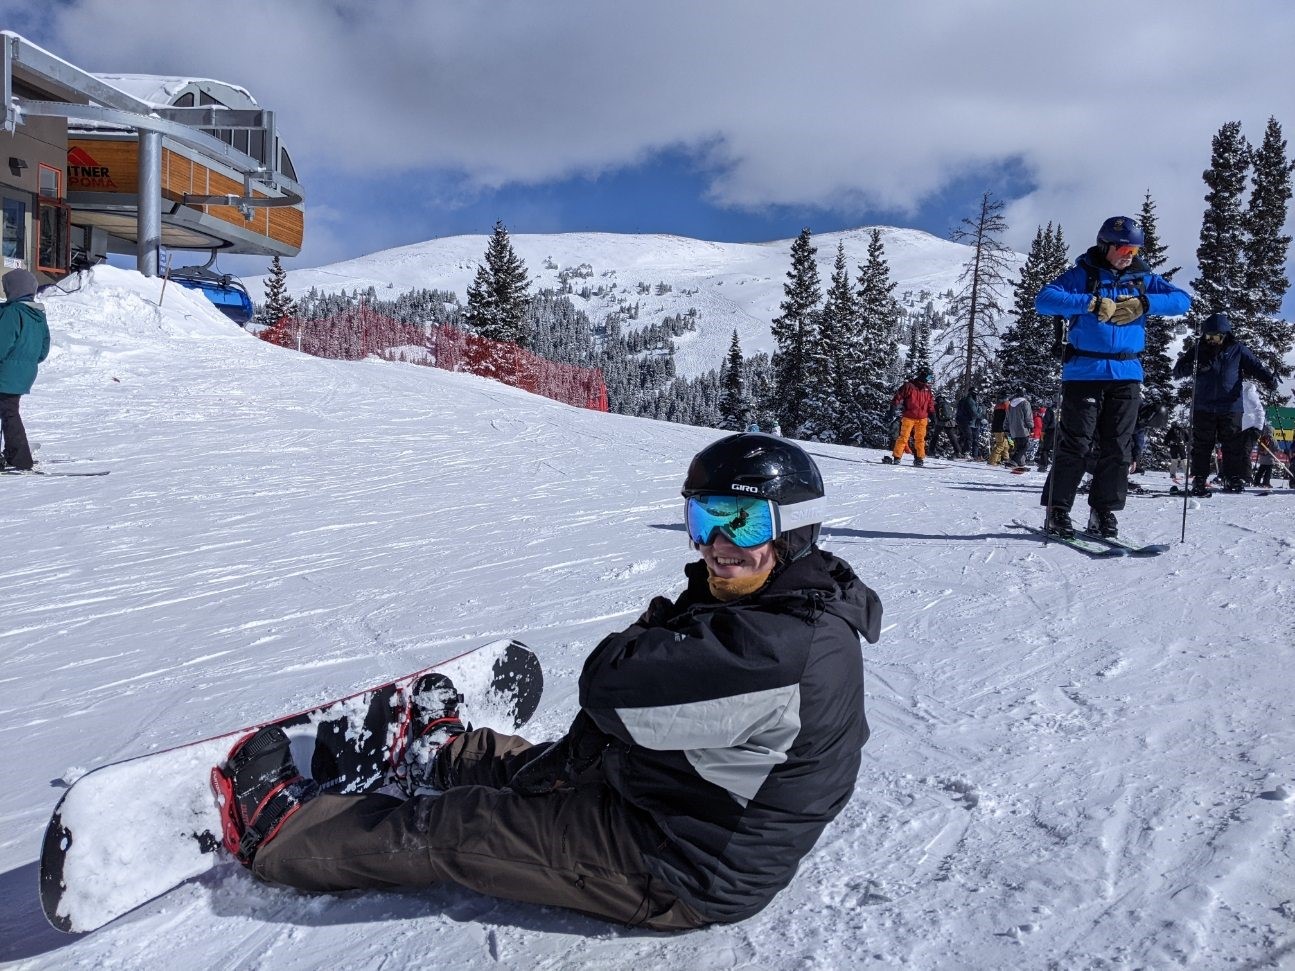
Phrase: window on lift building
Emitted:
{"points": [[53, 222], [15, 232]]}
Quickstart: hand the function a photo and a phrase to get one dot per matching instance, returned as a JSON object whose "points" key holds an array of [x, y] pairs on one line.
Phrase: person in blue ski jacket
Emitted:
{"points": [[1104, 298]]}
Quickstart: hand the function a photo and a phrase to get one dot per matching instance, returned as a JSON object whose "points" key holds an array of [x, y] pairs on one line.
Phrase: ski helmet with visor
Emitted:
{"points": [[754, 488]]}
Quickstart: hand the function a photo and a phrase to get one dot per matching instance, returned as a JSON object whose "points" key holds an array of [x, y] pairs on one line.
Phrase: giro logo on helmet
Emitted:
{"points": [[739, 487]]}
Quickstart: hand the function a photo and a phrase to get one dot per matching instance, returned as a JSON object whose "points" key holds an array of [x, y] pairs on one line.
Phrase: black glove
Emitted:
{"points": [[563, 761]]}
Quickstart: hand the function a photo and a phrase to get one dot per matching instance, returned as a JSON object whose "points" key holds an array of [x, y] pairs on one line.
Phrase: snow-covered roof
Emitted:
{"points": [[161, 90]]}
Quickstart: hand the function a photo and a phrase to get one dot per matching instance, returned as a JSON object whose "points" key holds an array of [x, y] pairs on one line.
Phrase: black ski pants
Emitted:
{"points": [[1218, 427], [1097, 417], [947, 432], [17, 452]]}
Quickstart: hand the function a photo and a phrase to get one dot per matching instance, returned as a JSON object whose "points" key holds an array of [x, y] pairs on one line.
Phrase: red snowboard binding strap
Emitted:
{"points": [[257, 789]]}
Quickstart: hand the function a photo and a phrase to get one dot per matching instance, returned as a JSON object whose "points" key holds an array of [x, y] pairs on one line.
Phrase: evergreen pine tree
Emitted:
{"points": [[1157, 380], [877, 366], [499, 295], [794, 333], [1221, 285], [734, 407], [1257, 317], [1025, 359], [278, 304], [830, 394], [984, 276], [918, 359]]}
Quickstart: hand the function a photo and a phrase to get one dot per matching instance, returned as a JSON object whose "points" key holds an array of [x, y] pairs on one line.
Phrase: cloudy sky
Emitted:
{"points": [[736, 120]]}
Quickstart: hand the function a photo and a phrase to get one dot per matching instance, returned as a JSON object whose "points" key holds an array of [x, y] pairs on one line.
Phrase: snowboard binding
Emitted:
{"points": [[258, 788], [430, 719]]}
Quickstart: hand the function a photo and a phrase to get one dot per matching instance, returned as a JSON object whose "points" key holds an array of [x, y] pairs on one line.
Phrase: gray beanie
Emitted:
{"points": [[19, 284]]}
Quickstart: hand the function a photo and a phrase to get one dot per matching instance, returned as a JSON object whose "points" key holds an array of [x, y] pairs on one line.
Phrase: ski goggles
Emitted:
{"points": [[1126, 250], [745, 520]]}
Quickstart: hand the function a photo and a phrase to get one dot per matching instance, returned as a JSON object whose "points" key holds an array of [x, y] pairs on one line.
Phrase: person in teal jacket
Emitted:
{"points": [[1105, 297], [24, 343]]}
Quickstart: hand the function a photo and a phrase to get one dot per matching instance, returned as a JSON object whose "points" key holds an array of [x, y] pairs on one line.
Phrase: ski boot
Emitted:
{"points": [[1235, 485], [887, 460], [431, 720], [258, 788], [1059, 524], [1201, 488], [919, 462], [1102, 522]]}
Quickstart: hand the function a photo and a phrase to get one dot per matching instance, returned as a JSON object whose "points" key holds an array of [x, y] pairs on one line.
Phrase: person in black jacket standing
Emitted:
{"points": [[1221, 364], [717, 736]]}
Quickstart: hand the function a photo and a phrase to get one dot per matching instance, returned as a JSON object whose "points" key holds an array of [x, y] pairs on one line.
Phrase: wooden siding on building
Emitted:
{"points": [[112, 165]]}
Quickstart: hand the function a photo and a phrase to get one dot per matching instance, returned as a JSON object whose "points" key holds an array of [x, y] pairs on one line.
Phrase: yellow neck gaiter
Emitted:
{"points": [[725, 589]]}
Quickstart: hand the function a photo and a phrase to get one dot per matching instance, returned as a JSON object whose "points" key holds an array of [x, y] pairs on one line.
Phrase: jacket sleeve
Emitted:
{"points": [[1183, 366], [669, 690], [1252, 368], [1164, 299], [1066, 296], [8, 332]]}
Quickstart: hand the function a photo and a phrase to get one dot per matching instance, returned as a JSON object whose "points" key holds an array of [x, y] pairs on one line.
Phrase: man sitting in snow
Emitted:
{"points": [[717, 736]]}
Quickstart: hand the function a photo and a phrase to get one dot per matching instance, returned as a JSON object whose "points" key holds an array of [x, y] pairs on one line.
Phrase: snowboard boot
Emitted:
{"points": [[431, 720], [919, 462], [1235, 485], [258, 788], [888, 460], [1059, 523], [1102, 522], [1201, 488]]}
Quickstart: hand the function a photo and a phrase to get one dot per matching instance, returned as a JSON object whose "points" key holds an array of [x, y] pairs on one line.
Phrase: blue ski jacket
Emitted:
{"points": [[1099, 351]]}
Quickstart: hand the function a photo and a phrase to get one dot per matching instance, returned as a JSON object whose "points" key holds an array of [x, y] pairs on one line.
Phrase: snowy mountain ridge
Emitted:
{"points": [[732, 286]]}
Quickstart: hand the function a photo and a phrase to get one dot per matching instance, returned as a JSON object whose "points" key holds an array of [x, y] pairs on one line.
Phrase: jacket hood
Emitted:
{"points": [[18, 285], [1217, 324]]}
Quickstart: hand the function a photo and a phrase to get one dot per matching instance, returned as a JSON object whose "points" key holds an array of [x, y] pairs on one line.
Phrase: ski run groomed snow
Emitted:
{"points": [[1074, 763]]}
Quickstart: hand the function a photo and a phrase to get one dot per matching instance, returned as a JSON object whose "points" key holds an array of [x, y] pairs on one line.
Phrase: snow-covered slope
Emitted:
{"points": [[1074, 764], [732, 286]]}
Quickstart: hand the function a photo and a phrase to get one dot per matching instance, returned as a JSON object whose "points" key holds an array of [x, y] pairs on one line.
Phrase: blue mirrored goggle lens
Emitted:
{"points": [[747, 522]]}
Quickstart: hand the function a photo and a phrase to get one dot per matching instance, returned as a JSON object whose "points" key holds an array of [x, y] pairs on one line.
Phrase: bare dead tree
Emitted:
{"points": [[978, 304]]}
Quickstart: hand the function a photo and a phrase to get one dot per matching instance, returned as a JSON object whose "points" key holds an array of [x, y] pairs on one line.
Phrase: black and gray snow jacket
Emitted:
{"points": [[736, 727]]}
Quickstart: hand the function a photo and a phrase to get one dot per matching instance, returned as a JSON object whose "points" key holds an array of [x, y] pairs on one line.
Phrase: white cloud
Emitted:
{"points": [[850, 105]]}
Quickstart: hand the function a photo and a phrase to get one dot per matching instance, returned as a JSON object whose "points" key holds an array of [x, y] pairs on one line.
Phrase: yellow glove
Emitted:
{"points": [[1103, 307], [1127, 310]]}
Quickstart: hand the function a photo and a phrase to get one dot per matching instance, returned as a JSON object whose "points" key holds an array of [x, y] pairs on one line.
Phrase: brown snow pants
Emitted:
{"points": [[568, 848]]}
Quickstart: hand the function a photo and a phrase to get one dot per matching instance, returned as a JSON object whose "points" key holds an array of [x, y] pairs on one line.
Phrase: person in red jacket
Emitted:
{"points": [[915, 405]]}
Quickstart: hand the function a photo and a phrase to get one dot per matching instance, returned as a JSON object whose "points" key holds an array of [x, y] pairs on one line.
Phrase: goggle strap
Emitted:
{"points": [[800, 514]]}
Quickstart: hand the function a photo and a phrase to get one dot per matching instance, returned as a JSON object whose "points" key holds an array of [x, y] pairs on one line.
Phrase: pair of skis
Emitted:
{"points": [[1097, 547]]}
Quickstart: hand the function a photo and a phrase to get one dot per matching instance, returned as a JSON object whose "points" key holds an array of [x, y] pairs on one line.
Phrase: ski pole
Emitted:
{"points": [[1191, 430]]}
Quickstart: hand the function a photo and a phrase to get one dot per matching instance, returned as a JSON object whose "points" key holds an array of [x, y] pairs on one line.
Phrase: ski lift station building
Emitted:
{"points": [[92, 164]]}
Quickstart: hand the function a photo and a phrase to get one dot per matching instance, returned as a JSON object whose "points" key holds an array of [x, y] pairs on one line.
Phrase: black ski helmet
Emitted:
{"points": [[765, 466], [1121, 231]]}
